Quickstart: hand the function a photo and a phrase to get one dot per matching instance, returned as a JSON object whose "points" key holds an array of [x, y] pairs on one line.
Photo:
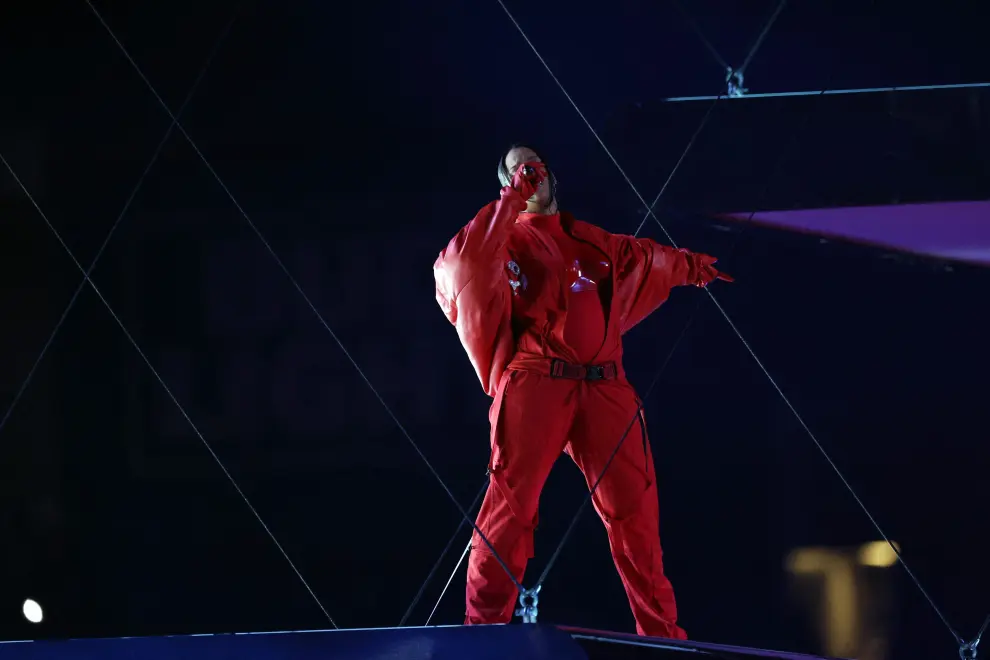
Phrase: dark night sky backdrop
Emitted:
{"points": [[359, 138]]}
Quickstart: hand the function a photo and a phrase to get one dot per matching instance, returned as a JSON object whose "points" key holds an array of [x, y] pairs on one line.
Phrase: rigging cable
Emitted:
{"points": [[460, 561], [693, 24], [763, 35], [113, 228], [86, 272], [436, 565], [295, 284], [732, 325]]}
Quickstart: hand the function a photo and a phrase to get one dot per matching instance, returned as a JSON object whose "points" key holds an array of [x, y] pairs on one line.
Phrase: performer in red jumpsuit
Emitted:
{"points": [[540, 302]]}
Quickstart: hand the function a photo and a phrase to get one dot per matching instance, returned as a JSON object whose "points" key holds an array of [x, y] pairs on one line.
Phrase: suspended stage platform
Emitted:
{"points": [[513, 642]]}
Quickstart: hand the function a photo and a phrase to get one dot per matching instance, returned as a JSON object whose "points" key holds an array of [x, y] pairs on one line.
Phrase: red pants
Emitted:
{"points": [[535, 418]]}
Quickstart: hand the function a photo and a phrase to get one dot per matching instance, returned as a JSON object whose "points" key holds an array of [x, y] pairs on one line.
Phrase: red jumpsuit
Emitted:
{"points": [[536, 300]]}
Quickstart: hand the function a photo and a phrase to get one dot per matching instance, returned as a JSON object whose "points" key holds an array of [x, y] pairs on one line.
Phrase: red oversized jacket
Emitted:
{"points": [[499, 282]]}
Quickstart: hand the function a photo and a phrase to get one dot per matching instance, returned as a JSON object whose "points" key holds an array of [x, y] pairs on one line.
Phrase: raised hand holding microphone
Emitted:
{"points": [[528, 178]]}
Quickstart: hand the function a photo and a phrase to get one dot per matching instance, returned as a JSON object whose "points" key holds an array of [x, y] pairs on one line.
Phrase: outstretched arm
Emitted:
{"points": [[646, 271]]}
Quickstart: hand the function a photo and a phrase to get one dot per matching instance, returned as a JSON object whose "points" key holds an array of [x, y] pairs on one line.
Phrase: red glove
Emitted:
{"points": [[528, 178], [707, 273]]}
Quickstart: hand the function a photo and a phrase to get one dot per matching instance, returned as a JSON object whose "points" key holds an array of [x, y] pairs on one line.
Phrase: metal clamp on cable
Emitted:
{"points": [[734, 81], [529, 601], [969, 650]]}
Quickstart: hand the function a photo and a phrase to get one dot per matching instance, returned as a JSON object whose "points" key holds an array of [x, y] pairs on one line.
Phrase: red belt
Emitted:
{"points": [[561, 369]]}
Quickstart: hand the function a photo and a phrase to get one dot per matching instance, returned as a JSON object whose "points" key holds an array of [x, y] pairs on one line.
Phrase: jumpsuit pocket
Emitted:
{"points": [[497, 460]]}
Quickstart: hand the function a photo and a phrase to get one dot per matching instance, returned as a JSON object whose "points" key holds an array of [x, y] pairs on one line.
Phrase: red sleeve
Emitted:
{"points": [[473, 290], [646, 273]]}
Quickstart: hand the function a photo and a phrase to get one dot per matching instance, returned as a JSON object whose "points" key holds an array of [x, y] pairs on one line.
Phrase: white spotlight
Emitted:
{"points": [[32, 611]]}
